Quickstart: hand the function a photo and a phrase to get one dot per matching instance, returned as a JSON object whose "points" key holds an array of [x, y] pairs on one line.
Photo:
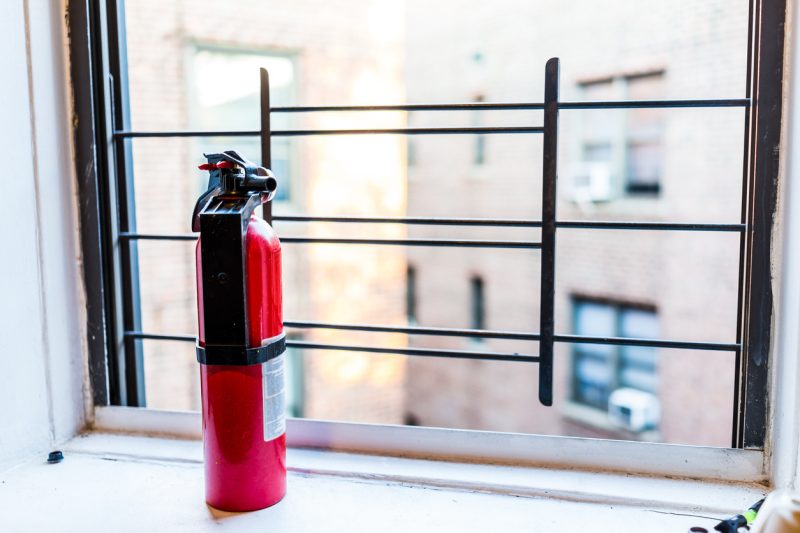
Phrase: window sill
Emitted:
{"points": [[152, 483]]}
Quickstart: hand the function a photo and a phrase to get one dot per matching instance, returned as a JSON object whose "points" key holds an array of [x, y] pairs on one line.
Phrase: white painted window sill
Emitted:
{"points": [[111, 482]]}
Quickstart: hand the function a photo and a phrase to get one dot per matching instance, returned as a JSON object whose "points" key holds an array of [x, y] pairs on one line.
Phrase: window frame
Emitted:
{"points": [[96, 29]]}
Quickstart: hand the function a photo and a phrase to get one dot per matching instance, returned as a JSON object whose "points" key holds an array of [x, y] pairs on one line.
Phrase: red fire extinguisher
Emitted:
{"points": [[241, 339]]}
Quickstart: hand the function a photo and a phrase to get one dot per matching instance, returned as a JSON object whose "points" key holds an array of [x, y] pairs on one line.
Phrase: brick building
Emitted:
{"points": [[194, 65], [639, 165], [655, 165]]}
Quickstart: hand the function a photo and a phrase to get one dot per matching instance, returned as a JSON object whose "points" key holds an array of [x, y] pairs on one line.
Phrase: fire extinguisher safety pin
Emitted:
{"points": [[241, 355]]}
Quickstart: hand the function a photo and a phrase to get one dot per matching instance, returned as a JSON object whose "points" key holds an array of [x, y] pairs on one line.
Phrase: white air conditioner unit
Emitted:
{"points": [[634, 410], [590, 182]]}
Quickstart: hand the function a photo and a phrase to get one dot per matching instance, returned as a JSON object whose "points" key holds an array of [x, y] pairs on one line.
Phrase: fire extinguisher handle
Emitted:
{"points": [[231, 173]]}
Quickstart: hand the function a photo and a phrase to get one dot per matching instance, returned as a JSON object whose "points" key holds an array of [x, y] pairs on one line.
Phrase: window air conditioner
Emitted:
{"points": [[634, 410], [590, 182]]}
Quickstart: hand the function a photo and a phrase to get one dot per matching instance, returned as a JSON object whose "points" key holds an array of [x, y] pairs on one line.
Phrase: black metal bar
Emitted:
{"points": [[322, 240], [160, 336], [126, 207], [311, 132], [649, 343], [419, 352], [479, 334], [489, 106], [530, 245], [519, 336], [657, 104], [159, 236], [658, 226], [433, 332], [415, 221], [644, 226], [737, 422], [569, 224], [87, 82], [767, 130], [265, 135], [548, 261]]}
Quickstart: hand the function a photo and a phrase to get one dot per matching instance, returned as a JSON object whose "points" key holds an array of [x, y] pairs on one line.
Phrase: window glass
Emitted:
{"points": [[644, 131], [478, 305], [594, 363], [197, 69]]}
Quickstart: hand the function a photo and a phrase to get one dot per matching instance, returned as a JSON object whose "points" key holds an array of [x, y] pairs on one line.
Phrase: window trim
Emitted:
{"points": [[91, 38], [487, 447]]}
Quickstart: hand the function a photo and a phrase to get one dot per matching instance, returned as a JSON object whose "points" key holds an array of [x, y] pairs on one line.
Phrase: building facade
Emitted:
{"points": [[194, 66], [614, 165]]}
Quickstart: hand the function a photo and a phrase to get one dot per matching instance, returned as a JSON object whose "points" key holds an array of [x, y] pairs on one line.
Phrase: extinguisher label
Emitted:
{"points": [[274, 385]]}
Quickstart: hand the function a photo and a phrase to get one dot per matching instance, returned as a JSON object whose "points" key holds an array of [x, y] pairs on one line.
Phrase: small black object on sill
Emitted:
{"points": [[55, 457]]}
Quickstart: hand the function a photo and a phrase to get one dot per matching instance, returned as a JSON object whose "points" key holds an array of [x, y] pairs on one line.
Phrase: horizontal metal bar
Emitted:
{"points": [[158, 236], [489, 106], [579, 224], [530, 245], [415, 221], [438, 332], [160, 336], [651, 343], [658, 226], [451, 332], [515, 335], [564, 224], [736, 102], [386, 242], [310, 132], [622, 104], [421, 352], [649, 104]]}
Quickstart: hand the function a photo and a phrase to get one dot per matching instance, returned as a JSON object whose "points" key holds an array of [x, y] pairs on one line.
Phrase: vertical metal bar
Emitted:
{"points": [[548, 253], [736, 424], [766, 125], [126, 208], [266, 136]]}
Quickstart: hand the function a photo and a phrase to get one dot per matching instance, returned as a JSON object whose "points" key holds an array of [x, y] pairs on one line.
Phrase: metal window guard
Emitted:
{"points": [[548, 224]]}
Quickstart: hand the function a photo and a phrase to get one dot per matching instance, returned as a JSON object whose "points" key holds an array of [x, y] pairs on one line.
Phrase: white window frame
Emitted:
{"points": [[777, 464]]}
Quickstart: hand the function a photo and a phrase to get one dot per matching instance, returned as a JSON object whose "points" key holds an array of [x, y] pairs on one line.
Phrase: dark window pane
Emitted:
{"points": [[478, 311]]}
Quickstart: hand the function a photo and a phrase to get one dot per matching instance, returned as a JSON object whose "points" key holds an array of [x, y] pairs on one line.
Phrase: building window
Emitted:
{"points": [[598, 370], [479, 153], [411, 294], [477, 304], [230, 106], [623, 152], [644, 142]]}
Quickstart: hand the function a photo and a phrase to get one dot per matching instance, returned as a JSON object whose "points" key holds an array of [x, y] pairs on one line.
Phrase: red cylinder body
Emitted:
{"points": [[244, 436]]}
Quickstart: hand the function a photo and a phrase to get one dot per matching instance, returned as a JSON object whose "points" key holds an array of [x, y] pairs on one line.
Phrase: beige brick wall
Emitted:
{"points": [[377, 51], [690, 278], [350, 52]]}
